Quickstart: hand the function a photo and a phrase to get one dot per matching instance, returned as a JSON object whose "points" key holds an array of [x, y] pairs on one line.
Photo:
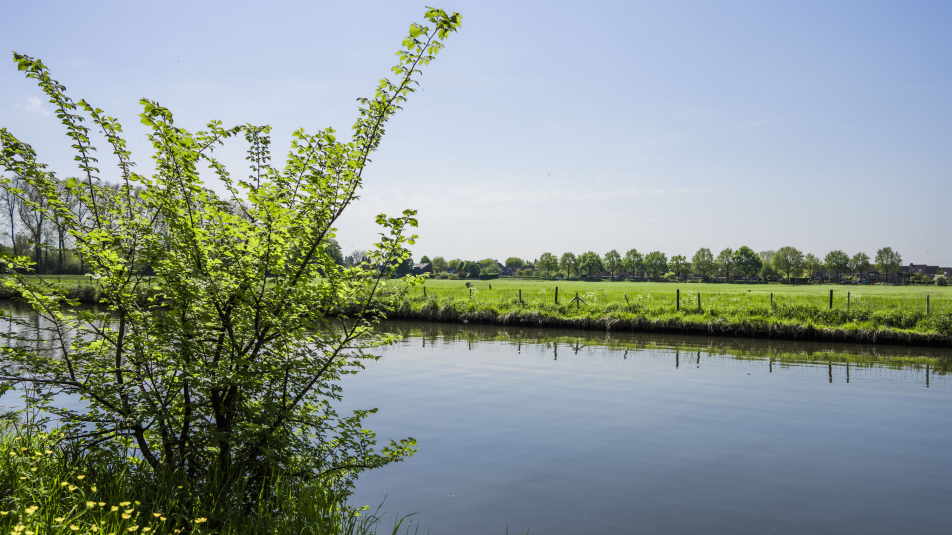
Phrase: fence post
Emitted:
{"points": [[556, 295], [927, 304], [470, 292], [831, 299], [678, 297], [520, 296], [699, 307], [577, 302], [771, 300], [626, 300], [848, 301], [424, 291]]}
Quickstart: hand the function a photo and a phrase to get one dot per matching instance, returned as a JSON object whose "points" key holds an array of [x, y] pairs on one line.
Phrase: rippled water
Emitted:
{"points": [[575, 432]]}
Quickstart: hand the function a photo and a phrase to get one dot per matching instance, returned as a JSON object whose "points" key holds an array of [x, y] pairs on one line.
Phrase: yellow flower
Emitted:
{"points": [[95, 528], [4, 513], [176, 530], [126, 516], [114, 508], [102, 504], [200, 520], [90, 504], [21, 477], [137, 502], [146, 529], [123, 504], [33, 469], [59, 519], [80, 477], [48, 452], [28, 532], [63, 484], [133, 528], [31, 509], [92, 489], [129, 511], [157, 515], [72, 488], [162, 518], [18, 528], [74, 528], [22, 449]]}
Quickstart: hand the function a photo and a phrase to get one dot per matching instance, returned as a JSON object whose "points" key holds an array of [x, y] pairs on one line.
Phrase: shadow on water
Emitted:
{"points": [[779, 352]]}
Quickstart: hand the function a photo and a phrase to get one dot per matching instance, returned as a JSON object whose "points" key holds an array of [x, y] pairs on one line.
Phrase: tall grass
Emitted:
{"points": [[50, 487]]}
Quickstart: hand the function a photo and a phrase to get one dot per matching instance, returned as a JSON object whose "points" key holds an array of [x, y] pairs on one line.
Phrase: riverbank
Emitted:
{"points": [[867, 315]]}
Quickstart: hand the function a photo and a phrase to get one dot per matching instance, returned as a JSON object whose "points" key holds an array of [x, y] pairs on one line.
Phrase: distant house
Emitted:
{"points": [[420, 269]]}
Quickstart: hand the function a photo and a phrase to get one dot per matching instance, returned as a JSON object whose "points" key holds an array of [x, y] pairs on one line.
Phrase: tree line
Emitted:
{"points": [[786, 263]]}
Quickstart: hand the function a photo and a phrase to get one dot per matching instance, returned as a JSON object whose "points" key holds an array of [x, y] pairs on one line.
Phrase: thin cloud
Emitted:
{"points": [[35, 105]]}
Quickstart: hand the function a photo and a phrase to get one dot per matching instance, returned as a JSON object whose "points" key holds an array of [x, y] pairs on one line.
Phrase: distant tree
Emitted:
{"points": [[491, 269], [888, 261], [486, 262], [356, 257], [860, 264], [469, 269], [747, 261], [547, 261], [633, 262], [703, 263], [11, 209], [439, 264], [425, 260], [515, 262], [767, 271], [788, 260], [678, 265], [589, 262], [612, 262], [811, 264], [656, 263], [837, 262], [569, 264], [404, 268], [725, 262], [333, 249], [454, 264]]}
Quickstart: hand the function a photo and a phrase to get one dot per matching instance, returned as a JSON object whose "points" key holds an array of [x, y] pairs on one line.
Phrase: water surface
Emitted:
{"points": [[579, 432]]}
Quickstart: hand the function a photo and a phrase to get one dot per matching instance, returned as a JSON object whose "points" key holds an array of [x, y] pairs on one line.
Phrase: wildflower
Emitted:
{"points": [[21, 477], [124, 504], [33, 469], [22, 449], [146, 529], [4, 513], [102, 504], [59, 519], [90, 504], [126, 516], [200, 520], [72, 488], [74, 528], [95, 528], [18, 528], [31, 509], [162, 518], [176, 530], [114, 508], [133, 528], [80, 477], [48, 452], [93, 488], [63, 484], [157, 515], [137, 502]]}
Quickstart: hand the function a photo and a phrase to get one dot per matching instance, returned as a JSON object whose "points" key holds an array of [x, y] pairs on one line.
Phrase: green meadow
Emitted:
{"points": [[873, 311]]}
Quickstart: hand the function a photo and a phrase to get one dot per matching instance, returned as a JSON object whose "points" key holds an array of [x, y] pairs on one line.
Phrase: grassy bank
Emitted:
{"points": [[48, 487], [863, 314]]}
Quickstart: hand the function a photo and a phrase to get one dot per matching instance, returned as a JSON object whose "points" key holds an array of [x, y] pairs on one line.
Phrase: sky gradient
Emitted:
{"points": [[553, 126]]}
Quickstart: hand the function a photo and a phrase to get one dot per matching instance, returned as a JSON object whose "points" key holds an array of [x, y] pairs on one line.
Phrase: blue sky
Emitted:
{"points": [[555, 126]]}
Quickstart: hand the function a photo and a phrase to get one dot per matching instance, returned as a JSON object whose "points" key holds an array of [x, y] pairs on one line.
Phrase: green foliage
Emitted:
{"points": [[655, 264], [469, 269], [612, 262], [633, 261], [860, 264], [888, 261], [439, 264], [486, 262], [569, 264], [590, 263], [836, 262], [548, 262], [218, 370], [941, 280], [789, 261], [725, 262], [425, 260], [747, 261], [703, 263], [514, 262], [811, 264]]}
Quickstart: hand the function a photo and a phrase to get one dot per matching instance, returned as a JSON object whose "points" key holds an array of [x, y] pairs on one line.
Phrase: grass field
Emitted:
{"points": [[855, 307]]}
